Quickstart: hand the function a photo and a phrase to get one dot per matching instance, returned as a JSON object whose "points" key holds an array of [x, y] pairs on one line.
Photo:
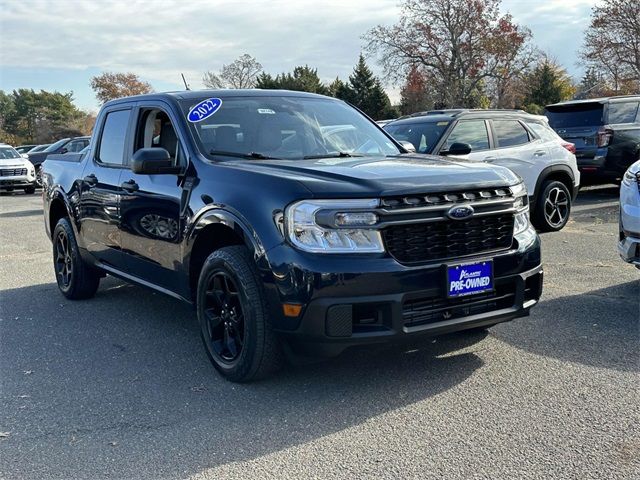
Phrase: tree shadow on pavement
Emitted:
{"points": [[600, 328], [120, 387]]}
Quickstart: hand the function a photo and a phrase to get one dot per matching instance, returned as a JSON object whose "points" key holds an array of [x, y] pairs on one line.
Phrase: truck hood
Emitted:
{"points": [[380, 176]]}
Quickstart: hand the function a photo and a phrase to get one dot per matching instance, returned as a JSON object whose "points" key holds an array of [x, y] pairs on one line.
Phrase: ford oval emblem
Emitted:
{"points": [[204, 109], [461, 212]]}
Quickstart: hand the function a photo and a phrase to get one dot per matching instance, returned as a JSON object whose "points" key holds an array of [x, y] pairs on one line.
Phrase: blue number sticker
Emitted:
{"points": [[204, 109]]}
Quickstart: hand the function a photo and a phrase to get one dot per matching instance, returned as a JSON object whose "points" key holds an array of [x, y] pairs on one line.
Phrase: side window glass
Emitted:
{"points": [[510, 133], [155, 130], [473, 132], [624, 112], [114, 133]]}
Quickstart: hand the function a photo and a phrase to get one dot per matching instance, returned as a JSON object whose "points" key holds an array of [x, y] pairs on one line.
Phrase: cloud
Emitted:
{"points": [[160, 39]]}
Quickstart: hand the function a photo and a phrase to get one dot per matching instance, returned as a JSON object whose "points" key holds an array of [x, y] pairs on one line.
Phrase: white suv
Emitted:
{"points": [[16, 171], [512, 138], [629, 239]]}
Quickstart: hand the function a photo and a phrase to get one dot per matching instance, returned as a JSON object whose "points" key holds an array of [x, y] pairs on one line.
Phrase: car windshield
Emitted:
{"points": [[7, 153], [423, 135], [55, 146], [577, 115], [39, 148], [285, 127]]}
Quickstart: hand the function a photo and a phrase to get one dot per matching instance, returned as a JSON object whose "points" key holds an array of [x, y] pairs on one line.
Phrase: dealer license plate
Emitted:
{"points": [[469, 279]]}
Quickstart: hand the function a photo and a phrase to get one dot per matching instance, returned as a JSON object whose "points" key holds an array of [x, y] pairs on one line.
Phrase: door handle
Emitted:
{"points": [[539, 153], [130, 186], [489, 159], [91, 180]]}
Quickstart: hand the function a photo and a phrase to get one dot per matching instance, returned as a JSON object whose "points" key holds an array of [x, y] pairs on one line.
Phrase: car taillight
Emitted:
{"points": [[604, 136], [569, 146]]}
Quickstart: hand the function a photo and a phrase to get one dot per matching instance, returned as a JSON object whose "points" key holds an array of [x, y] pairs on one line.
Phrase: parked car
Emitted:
{"points": [[605, 131], [512, 138], [16, 172], [65, 145], [39, 148], [240, 202], [629, 238], [24, 148]]}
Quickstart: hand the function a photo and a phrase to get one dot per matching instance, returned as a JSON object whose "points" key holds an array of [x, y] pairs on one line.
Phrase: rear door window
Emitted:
{"points": [[114, 134], [622, 112], [510, 133], [473, 132]]}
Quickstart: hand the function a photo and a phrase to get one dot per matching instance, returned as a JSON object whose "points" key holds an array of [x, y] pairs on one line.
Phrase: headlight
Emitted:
{"points": [[630, 178], [521, 218], [334, 226]]}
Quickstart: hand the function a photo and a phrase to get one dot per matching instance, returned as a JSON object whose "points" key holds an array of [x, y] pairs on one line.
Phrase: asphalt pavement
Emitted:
{"points": [[120, 387]]}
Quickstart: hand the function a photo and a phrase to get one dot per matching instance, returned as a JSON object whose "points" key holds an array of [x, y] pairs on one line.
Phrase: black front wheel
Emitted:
{"points": [[553, 206], [76, 279], [30, 190], [232, 313]]}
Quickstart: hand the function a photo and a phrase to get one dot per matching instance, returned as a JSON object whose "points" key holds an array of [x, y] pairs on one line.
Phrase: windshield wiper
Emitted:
{"points": [[334, 155], [254, 155]]}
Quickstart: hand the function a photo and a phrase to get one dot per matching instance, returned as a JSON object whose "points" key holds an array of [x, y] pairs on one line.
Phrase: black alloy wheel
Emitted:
{"points": [[224, 317], [63, 260]]}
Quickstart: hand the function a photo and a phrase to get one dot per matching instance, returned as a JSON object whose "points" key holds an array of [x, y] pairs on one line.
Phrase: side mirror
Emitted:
{"points": [[153, 161], [63, 150], [24, 155], [408, 146], [457, 149]]}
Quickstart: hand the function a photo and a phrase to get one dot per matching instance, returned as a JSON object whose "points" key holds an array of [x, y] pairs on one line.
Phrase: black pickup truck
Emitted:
{"points": [[291, 221]]}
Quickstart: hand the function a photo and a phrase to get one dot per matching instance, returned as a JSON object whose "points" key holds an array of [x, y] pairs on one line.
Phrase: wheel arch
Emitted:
{"points": [[215, 229], [58, 208], [561, 173]]}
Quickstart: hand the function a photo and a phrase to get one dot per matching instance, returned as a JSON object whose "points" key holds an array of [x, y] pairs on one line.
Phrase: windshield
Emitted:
{"points": [[423, 135], [8, 153], [55, 146], [578, 115], [292, 128]]}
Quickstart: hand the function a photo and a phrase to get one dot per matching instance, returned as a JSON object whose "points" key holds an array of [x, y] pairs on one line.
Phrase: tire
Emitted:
{"points": [[233, 318], [76, 279], [39, 176], [553, 207], [30, 190]]}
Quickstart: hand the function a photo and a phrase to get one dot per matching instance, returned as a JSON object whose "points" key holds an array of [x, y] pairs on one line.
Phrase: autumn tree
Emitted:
{"points": [[459, 44], [242, 73], [302, 79], [612, 44], [109, 86], [415, 95]]}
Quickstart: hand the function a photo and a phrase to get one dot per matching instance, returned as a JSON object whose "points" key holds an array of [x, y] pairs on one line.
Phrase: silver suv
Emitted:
{"points": [[16, 171]]}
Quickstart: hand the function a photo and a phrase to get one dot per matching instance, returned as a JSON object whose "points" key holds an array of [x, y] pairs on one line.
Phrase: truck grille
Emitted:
{"points": [[12, 172], [423, 311], [439, 240]]}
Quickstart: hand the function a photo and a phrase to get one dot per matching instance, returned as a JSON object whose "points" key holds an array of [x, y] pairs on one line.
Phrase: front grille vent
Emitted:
{"points": [[444, 239], [12, 172], [435, 199]]}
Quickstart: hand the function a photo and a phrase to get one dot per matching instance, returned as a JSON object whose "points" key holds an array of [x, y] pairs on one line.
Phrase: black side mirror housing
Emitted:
{"points": [[458, 149], [153, 161], [63, 150]]}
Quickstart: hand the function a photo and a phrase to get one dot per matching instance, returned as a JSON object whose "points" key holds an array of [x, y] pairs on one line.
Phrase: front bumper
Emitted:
{"points": [[18, 181], [629, 238], [385, 301]]}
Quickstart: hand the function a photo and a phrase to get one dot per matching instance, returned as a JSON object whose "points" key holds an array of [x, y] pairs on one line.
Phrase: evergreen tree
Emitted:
{"points": [[548, 83], [365, 92], [302, 79]]}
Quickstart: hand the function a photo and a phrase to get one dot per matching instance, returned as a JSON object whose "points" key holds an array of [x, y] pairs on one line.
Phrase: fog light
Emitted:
{"points": [[291, 309]]}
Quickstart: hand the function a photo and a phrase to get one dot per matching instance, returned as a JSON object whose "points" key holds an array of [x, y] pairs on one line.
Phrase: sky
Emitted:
{"points": [[60, 44]]}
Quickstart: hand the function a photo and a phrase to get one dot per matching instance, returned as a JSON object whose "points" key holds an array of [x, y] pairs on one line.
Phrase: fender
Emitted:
{"points": [[554, 169], [57, 193], [216, 214]]}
